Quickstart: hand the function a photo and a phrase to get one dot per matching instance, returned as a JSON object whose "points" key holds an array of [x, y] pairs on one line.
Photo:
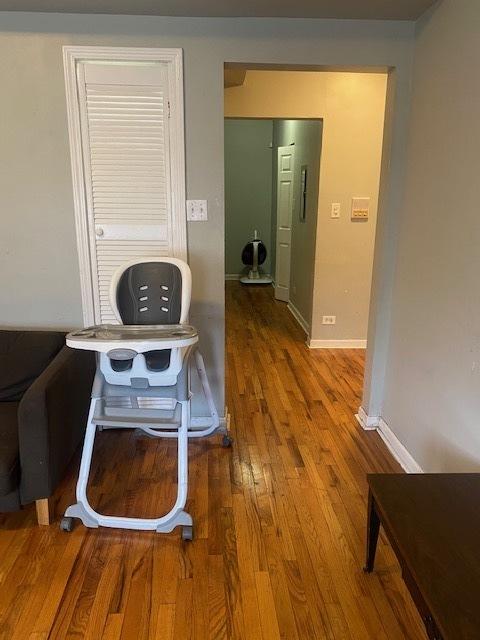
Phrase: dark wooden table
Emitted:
{"points": [[432, 522]]}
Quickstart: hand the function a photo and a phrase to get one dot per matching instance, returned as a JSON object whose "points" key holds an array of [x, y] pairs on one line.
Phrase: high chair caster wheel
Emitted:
{"points": [[187, 532], [66, 524], [227, 441]]}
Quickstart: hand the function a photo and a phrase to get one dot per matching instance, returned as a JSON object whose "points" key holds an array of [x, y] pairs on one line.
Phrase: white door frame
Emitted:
{"points": [[174, 59]]}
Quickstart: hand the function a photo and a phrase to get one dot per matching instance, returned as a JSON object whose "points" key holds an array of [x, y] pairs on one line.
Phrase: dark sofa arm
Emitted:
{"points": [[52, 418]]}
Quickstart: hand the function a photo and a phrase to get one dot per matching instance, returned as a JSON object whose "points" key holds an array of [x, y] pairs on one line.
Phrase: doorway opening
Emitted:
{"points": [[303, 153], [271, 175]]}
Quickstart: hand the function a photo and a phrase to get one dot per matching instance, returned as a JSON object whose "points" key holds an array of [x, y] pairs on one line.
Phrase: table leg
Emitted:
{"points": [[373, 528]]}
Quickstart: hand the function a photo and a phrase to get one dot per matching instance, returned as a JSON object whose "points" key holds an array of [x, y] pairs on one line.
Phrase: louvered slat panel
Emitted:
{"points": [[125, 116], [128, 170]]}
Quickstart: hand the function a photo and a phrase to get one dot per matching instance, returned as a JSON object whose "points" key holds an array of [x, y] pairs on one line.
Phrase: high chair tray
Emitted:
{"points": [[105, 337]]}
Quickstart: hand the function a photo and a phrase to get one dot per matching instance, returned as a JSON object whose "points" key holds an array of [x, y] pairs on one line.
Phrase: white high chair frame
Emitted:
{"points": [[137, 384]]}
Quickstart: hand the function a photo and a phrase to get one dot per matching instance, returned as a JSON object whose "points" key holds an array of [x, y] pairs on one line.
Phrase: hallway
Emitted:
{"points": [[279, 518], [299, 489]]}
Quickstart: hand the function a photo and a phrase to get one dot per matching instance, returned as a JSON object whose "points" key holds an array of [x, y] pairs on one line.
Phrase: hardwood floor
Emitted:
{"points": [[280, 518]]}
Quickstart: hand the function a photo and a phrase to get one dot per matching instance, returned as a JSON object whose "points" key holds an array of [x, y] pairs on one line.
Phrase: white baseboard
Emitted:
{"points": [[396, 448], [368, 423], [399, 452], [337, 344], [298, 317]]}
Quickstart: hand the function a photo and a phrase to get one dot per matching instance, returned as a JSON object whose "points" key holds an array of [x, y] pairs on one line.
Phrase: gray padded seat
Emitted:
{"points": [[149, 293]]}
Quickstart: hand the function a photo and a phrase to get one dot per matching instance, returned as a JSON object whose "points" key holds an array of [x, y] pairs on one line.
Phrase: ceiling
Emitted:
{"points": [[359, 9]]}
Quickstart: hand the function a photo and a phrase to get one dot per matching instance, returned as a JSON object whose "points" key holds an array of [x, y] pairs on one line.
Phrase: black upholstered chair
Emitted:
{"points": [[44, 397]]}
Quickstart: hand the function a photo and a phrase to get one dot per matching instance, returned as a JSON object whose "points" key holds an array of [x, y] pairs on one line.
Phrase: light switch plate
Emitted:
{"points": [[335, 211], [197, 210]]}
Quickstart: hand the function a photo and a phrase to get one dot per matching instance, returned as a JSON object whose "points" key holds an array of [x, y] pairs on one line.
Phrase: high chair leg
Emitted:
{"points": [[202, 374], [207, 391], [175, 517]]}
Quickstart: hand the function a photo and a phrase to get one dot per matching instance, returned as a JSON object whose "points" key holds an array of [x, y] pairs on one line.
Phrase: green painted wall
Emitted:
{"points": [[248, 188], [306, 135]]}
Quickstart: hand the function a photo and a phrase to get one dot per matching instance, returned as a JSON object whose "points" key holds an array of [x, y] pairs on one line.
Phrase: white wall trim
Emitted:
{"points": [[70, 57], [368, 423], [298, 317], [337, 344], [396, 448], [174, 58]]}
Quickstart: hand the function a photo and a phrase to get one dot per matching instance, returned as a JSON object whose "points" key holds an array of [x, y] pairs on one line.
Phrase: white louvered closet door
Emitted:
{"points": [[123, 110]]}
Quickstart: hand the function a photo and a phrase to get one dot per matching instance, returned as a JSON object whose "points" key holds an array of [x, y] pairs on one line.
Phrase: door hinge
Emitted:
{"points": [[168, 107]]}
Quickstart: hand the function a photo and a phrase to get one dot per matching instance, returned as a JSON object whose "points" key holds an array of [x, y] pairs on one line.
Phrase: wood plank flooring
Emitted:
{"points": [[280, 518]]}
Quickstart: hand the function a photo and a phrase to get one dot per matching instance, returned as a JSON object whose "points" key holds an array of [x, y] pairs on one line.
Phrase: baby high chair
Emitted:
{"points": [[142, 379]]}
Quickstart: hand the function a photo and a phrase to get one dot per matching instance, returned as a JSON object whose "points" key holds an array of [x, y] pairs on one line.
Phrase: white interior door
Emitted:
{"points": [[285, 184], [126, 160]]}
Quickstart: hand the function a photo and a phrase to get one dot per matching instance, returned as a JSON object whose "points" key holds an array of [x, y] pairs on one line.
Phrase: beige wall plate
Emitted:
{"points": [[360, 208]]}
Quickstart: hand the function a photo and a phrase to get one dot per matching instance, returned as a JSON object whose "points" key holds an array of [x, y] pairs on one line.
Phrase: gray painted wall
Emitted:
{"points": [[248, 188], [39, 278], [432, 398], [306, 135]]}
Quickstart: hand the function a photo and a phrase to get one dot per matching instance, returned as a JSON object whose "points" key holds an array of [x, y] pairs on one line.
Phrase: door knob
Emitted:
{"points": [[99, 232]]}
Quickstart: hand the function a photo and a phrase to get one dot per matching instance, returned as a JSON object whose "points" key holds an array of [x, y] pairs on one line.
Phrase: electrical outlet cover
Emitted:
{"points": [[360, 208], [197, 210]]}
